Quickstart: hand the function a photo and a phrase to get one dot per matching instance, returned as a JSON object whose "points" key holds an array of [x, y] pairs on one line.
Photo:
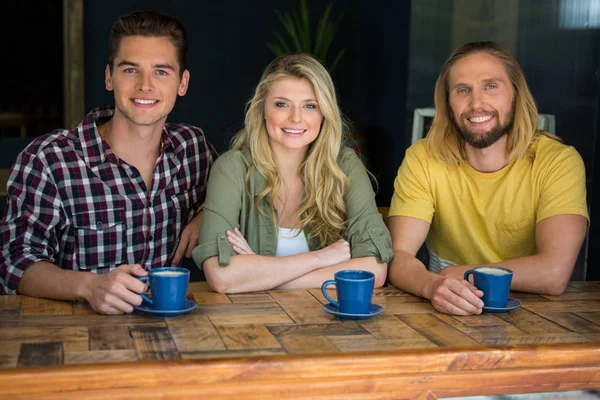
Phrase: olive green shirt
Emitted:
{"points": [[229, 204]]}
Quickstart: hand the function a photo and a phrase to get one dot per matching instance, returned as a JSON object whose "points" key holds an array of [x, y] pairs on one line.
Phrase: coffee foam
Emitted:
{"points": [[492, 270]]}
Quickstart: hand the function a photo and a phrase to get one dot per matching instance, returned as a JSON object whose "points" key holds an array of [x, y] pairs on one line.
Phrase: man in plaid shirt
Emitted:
{"points": [[91, 208]]}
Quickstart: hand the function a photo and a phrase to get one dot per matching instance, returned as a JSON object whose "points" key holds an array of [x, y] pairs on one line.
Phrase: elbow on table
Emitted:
{"points": [[557, 288], [558, 280], [381, 275], [216, 281]]}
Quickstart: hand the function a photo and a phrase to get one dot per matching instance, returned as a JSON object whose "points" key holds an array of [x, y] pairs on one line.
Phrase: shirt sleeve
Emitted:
{"points": [[563, 189], [367, 234], [221, 210], [412, 195], [28, 230]]}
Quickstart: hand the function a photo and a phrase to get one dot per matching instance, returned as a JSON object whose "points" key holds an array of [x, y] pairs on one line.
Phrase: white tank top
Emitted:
{"points": [[290, 242]]}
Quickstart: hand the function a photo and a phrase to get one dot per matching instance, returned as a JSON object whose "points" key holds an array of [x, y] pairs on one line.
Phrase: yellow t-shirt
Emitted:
{"points": [[478, 218]]}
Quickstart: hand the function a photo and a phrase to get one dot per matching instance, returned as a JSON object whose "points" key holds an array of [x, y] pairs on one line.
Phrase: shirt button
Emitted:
{"points": [[150, 204], [150, 238], [221, 237], [99, 224], [373, 231]]}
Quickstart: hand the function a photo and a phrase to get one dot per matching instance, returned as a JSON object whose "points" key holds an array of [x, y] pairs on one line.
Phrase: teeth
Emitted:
{"points": [[293, 130], [480, 119], [142, 101]]}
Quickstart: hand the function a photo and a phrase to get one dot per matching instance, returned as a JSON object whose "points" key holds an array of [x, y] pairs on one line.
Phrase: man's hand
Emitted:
{"points": [[116, 292], [188, 240], [455, 296], [238, 242]]}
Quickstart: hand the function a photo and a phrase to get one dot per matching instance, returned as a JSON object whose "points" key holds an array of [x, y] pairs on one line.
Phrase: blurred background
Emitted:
{"points": [[388, 57]]}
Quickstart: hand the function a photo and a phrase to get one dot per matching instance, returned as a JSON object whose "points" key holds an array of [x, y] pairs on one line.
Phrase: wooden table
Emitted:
{"points": [[281, 344]]}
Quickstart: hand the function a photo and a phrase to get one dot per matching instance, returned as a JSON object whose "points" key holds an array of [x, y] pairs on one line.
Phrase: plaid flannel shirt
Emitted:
{"points": [[72, 202]]}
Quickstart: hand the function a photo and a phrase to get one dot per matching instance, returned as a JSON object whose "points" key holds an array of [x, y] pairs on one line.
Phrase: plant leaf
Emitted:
{"points": [[291, 29], [282, 43], [305, 26], [276, 49], [321, 27], [337, 59]]}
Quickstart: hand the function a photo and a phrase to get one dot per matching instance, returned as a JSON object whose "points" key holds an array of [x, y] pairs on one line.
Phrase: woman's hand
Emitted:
{"points": [[335, 253], [238, 242]]}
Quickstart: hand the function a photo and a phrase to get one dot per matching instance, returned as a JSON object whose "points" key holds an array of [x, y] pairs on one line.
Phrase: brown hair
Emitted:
{"points": [[152, 24], [444, 142]]}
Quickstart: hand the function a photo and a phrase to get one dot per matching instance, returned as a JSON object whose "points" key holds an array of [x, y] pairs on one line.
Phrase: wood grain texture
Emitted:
{"points": [[439, 372], [49, 353], [281, 344]]}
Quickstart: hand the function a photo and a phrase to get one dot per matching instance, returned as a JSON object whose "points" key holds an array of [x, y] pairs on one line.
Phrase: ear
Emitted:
{"points": [[108, 79], [183, 85]]}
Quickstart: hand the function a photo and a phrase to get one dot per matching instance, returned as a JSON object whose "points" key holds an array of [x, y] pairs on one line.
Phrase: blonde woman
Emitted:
{"points": [[289, 206]]}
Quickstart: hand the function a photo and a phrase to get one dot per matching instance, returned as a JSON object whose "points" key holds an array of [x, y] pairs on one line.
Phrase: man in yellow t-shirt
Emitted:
{"points": [[486, 188]]}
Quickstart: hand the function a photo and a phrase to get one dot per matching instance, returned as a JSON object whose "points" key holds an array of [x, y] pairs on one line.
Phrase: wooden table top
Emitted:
{"points": [[40, 332]]}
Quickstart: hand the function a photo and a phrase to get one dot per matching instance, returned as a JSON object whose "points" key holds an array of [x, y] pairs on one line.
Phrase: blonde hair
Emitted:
{"points": [[323, 209], [443, 140]]}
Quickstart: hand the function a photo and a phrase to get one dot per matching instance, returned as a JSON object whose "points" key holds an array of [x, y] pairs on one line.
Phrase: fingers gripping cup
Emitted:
{"points": [[168, 286], [494, 282], [354, 290]]}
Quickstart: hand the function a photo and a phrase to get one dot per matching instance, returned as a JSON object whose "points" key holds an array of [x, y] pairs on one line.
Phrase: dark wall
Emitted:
{"points": [[228, 53]]}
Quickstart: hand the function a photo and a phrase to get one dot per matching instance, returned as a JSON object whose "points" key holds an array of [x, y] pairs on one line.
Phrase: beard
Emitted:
{"points": [[481, 141]]}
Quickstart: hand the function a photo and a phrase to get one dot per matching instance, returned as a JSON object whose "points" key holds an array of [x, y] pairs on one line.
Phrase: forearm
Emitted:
{"points": [[316, 278], [44, 279], [408, 273], [252, 272], [535, 274], [539, 274]]}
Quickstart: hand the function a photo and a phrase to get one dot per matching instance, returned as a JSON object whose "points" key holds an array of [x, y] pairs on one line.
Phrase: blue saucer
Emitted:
{"points": [[333, 310], [510, 305], [188, 306]]}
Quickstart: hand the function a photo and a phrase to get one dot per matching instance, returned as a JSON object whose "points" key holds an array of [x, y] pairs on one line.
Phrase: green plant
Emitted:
{"points": [[300, 35]]}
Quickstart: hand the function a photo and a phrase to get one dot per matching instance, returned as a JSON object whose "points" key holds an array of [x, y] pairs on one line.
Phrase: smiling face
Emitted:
{"points": [[481, 99], [145, 79], [292, 114]]}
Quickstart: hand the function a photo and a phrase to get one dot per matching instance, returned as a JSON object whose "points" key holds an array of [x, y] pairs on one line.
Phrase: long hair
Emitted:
{"points": [[443, 140], [149, 24], [322, 209]]}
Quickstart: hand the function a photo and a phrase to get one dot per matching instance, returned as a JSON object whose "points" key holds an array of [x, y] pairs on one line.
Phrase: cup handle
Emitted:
{"points": [[323, 289], [466, 276], [144, 297]]}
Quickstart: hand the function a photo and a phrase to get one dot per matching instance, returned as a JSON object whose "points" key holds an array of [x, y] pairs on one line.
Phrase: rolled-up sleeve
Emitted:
{"points": [[27, 233], [221, 210], [367, 234]]}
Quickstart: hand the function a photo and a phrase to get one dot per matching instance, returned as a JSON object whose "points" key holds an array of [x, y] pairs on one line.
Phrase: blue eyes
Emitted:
{"points": [[467, 90], [281, 104], [159, 72]]}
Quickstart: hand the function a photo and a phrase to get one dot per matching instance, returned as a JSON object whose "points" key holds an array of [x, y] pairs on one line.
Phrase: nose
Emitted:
{"points": [[145, 82], [477, 99], [295, 114]]}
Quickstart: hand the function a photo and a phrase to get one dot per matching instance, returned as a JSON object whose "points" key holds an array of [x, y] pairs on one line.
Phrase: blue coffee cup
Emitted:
{"points": [[168, 286], [494, 282], [354, 290]]}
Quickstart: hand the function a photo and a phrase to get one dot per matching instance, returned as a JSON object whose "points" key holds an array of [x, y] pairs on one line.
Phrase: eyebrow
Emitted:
{"points": [[485, 81], [286, 99], [132, 64]]}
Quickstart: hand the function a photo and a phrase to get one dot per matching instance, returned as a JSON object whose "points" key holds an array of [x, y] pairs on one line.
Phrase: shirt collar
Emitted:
{"points": [[94, 149]]}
